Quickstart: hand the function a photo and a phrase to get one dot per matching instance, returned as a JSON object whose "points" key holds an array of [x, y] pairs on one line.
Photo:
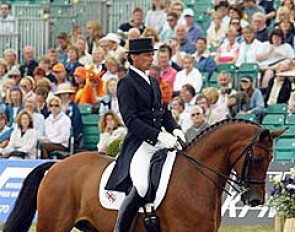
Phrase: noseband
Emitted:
{"points": [[244, 180]]}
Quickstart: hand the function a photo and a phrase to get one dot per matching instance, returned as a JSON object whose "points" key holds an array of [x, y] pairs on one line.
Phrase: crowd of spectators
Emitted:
{"points": [[41, 96]]}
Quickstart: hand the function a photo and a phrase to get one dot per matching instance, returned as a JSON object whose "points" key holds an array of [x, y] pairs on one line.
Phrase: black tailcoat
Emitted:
{"points": [[143, 114]]}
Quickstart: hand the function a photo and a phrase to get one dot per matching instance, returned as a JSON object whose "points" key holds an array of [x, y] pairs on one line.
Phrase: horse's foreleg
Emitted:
{"points": [[217, 213]]}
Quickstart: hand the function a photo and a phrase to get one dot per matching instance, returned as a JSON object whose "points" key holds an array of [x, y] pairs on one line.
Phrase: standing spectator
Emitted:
{"points": [[186, 45], [111, 128], [194, 30], [10, 56], [110, 100], [6, 21], [258, 22], [94, 30], [16, 105], [156, 17], [57, 129], [199, 123], [255, 104], [189, 75], [30, 64], [136, 21], [251, 8], [71, 109], [204, 62], [23, 140], [250, 47], [84, 57], [64, 42], [169, 31], [38, 119]]}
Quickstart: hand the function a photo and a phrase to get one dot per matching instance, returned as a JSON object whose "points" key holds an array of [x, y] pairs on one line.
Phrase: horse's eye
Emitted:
{"points": [[257, 161]]}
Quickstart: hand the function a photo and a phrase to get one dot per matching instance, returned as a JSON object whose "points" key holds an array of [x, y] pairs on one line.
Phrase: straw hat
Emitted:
{"points": [[64, 88]]}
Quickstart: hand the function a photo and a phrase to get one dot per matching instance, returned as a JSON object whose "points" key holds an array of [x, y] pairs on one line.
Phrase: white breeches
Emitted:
{"points": [[140, 166]]}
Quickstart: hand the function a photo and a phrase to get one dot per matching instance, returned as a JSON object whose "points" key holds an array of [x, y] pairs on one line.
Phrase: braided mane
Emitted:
{"points": [[221, 123]]}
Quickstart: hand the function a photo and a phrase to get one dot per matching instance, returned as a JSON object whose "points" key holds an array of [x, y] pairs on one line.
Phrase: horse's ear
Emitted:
{"points": [[278, 133], [264, 134]]}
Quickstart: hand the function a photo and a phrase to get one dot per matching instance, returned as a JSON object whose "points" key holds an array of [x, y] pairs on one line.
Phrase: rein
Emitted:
{"points": [[243, 180]]}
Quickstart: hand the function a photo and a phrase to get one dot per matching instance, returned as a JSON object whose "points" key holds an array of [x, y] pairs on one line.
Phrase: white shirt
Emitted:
{"points": [[194, 78], [7, 25], [140, 73]]}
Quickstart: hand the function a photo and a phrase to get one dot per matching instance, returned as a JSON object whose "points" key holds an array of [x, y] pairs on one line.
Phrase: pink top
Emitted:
{"points": [[168, 75]]}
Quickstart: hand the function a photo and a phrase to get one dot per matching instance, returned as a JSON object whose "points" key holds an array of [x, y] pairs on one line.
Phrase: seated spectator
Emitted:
{"points": [[249, 48], [259, 22], [3, 72], [283, 13], [224, 87], [5, 94], [45, 83], [94, 30], [15, 74], [79, 75], [84, 57], [236, 24], [27, 85], [211, 117], [98, 56], [93, 91], [53, 58], [72, 63], [23, 140], [111, 128], [215, 33], [194, 31], [71, 109], [5, 132], [290, 5], [251, 8], [216, 106], [59, 73], [189, 75], [112, 65], [42, 94], [30, 105], [278, 90], [166, 90], [269, 10], [186, 45], [177, 105], [228, 52], [255, 105], [288, 29], [115, 49], [110, 100], [274, 52], [28, 68], [16, 105], [104, 45], [57, 129], [136, 21], [44, 63], [199, 123], [168, 48], [188, 94], [168, 73], [64, 42], [169, 31], [291, 103], [10, 56], [152, 33], [133, 33], [204, 62], [237, 12], [177, 55]]}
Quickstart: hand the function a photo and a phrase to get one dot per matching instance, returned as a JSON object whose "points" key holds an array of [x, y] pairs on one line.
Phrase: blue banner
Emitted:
{"points": [[12, 174]]}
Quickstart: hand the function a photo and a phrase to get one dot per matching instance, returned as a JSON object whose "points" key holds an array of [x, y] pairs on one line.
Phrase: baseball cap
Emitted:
{"points": [[188, 12], [58, 68]]}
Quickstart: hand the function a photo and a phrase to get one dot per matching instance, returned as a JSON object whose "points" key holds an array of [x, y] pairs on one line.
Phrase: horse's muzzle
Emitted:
{"points": [[252, 198]]}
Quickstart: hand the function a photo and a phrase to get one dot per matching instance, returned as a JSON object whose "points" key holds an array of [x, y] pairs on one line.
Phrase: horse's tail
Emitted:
{"points": [[22, 214]]}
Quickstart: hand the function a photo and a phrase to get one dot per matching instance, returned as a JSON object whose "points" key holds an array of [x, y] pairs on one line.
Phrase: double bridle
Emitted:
{"points": [[244, 180]]}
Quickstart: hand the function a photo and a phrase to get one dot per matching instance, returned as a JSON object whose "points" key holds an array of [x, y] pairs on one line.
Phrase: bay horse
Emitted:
{"points": [[67, 195]]}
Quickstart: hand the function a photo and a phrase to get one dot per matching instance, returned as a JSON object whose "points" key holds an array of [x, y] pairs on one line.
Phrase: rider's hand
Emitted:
{"points": [[179, 133], [167, 140]]}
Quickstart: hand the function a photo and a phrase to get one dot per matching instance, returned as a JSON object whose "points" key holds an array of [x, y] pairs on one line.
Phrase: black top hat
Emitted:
{"points": [[137, 46]]}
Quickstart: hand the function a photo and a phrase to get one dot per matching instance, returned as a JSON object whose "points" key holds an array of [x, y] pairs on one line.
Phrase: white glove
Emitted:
{"points": [[167, 140], [179, 133]]}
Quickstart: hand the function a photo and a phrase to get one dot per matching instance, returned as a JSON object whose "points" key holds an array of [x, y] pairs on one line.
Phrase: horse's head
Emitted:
{"points": [[251, 166]]}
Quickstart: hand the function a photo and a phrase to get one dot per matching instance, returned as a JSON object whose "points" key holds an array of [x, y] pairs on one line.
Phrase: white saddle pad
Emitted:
{"points": [[112, 199]]}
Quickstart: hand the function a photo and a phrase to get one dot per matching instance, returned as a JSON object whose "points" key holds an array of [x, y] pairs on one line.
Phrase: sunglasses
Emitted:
{"points": [[170, 20], [193, 115], [54, 105]]}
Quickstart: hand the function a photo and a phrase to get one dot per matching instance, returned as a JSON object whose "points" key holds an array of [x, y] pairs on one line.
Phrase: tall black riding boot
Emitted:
{"points": [[128, 212]]}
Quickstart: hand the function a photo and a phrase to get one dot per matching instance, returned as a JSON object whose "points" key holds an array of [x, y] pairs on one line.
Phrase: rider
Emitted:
{"points": [[141, 108]]}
